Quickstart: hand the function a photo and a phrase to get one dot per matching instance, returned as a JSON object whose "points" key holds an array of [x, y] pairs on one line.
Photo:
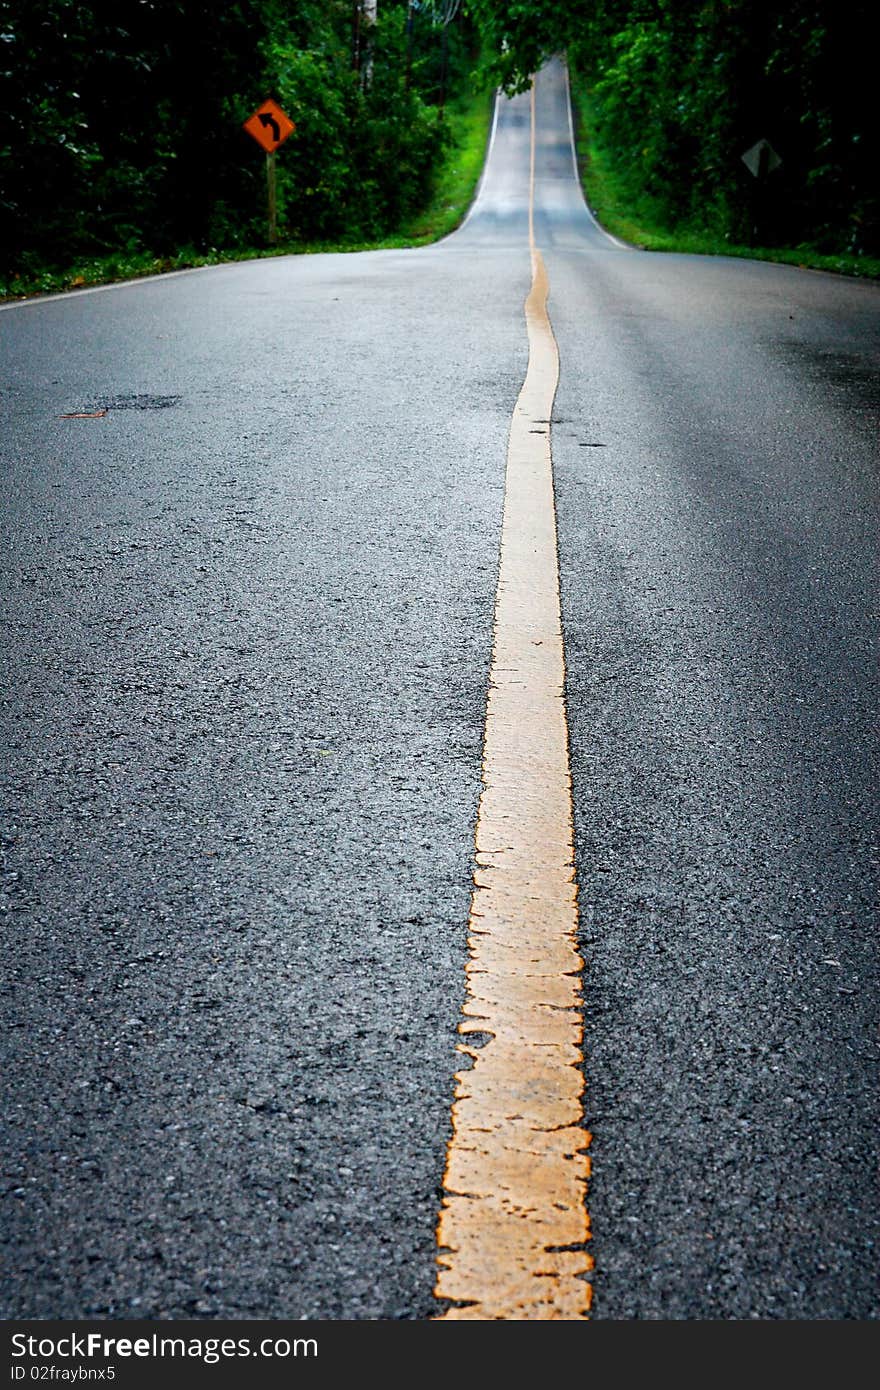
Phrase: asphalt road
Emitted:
{"points": [[247, 620]]}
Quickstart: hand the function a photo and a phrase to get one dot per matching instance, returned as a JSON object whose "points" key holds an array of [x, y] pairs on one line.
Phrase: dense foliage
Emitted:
{"points": [[682, 88], [122, 120]]}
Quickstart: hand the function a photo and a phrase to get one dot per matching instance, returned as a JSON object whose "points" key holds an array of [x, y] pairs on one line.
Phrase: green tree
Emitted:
{"points": [[682, 88], [122, 123]]}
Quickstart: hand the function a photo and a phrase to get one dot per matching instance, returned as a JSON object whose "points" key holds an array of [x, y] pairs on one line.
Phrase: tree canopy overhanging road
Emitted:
{"points": [[252, 519]]}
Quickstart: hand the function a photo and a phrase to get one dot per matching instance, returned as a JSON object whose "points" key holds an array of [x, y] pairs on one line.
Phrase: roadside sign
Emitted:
{"points": [[761, 159], [269, 126]]}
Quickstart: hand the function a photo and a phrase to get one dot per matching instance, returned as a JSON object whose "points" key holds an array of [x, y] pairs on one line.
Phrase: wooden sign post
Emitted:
{"points": [[270, 190]]}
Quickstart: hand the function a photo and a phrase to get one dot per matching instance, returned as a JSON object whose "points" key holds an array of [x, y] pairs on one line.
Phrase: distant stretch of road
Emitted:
{"points": [[251, 528]]}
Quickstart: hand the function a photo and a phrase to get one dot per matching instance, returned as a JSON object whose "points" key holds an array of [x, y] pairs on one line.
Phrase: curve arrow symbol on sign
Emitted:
{"points": [[266, 120], [269, 126]]}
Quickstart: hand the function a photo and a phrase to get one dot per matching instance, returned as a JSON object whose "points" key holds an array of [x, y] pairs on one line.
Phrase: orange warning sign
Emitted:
{"points": [[269, 126]]}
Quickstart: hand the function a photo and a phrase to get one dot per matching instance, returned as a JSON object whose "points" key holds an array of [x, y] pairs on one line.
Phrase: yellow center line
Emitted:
{"points": [[513, 1227]]}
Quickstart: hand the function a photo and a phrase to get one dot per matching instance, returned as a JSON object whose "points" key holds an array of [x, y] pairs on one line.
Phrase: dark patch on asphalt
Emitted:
{"points": [[134, 403], [853, 379]]}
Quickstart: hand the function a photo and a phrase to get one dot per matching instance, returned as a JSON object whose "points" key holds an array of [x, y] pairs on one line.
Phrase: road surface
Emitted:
{"points": [[248, 626]]}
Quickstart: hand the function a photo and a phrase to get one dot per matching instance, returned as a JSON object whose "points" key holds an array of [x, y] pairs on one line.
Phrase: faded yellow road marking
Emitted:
{"points": [[513, 1227]]}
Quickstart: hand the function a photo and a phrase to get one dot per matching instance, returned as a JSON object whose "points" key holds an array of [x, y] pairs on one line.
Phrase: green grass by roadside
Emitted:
{"points": [[629, 213], [469, 120], [455, 185]]}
